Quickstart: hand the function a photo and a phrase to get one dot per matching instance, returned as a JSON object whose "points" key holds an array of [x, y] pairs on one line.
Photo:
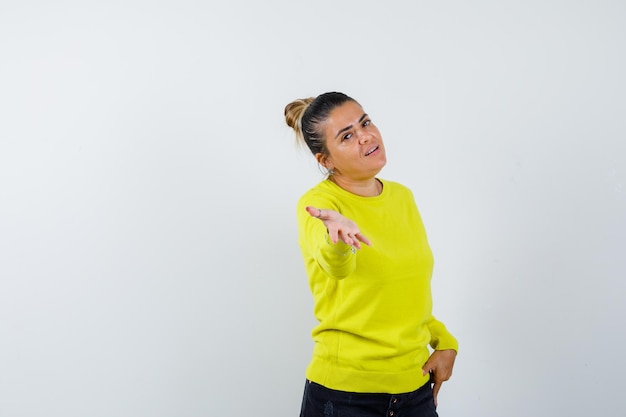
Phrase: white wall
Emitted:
{"points": [[148, 256]]}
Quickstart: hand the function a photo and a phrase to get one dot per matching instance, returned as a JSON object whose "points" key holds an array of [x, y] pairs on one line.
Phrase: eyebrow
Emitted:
{"points": [[350, 126]]}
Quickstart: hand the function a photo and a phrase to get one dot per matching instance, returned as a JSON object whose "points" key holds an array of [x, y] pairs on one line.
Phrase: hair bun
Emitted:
{"points": [[294, 112]]}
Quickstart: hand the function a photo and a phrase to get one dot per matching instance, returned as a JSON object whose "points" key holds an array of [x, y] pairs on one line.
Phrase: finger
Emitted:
{"points": [[436, 388], [347, 238], [315, 212], [333, 235], [363, 239], [427, 368], [353, 241]]}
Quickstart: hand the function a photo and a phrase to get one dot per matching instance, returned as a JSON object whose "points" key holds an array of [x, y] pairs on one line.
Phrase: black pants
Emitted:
{"points": [[319, 401]]}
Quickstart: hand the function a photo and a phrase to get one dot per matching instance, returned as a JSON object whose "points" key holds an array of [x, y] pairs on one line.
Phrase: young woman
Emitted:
{"points": [[369, 267]]}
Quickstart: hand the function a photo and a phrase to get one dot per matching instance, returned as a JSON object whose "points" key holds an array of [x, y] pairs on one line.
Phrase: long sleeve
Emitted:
{"points": [[336, 260], [440, 337]]}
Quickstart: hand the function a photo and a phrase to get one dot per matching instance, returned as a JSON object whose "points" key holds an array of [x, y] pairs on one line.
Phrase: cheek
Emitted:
{"points": [[345, 157]]}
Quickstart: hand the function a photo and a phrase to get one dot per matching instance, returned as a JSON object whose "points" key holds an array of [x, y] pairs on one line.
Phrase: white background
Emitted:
{"points": [[148, 255]]}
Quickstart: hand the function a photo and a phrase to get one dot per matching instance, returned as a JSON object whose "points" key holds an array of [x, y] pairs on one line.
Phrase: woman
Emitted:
{"points": [[369, 267]]}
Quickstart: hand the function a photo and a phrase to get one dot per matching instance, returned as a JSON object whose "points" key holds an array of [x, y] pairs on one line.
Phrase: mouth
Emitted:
{"points": [[371, 151]]}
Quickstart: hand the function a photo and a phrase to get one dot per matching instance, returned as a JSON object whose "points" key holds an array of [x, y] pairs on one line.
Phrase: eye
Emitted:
{"points": [[346, 137], [367, 123]]}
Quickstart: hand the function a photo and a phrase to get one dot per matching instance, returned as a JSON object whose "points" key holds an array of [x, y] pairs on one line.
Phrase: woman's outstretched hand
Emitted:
{"points": [[339, 227], [439, 365]]}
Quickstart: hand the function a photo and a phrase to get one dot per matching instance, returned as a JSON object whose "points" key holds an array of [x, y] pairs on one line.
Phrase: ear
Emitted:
{"points": [[324, 160]]}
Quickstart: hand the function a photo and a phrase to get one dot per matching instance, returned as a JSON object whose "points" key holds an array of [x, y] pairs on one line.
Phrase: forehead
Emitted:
{"points": [[348, 113]]}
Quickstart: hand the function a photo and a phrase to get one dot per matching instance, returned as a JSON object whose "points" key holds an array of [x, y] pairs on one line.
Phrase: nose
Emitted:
{"points": [[364, 137]]}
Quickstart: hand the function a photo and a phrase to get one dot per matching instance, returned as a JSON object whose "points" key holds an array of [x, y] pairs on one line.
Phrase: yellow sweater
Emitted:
{"points": [[374, 306]]}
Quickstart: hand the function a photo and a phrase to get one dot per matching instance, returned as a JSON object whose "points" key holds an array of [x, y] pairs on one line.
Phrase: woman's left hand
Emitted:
{"points": [[439, 365], [339, 227]]}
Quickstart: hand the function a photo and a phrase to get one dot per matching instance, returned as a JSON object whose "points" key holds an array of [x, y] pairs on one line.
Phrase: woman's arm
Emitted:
{"points": [[330, 239], [441, 362]]}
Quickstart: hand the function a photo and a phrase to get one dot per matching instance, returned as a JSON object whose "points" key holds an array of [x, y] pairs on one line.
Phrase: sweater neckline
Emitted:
{"points": [[382, 195]]}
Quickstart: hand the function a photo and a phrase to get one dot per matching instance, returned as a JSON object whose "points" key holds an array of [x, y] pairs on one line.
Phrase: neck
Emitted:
{"points": [[365, 188]]}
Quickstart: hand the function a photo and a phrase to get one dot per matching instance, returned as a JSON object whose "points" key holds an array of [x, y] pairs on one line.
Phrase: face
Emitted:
{"points": [[354, 144]]}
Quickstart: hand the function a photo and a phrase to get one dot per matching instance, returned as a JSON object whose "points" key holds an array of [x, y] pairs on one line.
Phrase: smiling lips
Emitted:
{"points": [[371, 151]]}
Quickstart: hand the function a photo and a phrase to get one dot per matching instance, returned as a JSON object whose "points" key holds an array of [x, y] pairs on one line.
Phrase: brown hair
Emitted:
{"points": [[306, 117]]}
